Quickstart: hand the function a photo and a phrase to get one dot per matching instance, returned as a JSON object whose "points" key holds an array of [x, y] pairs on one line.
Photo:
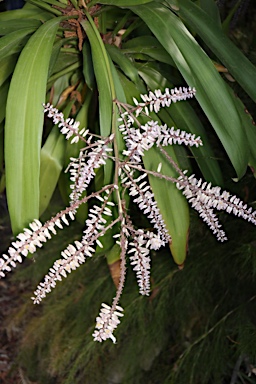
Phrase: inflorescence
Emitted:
{"points": [[111, 211]]}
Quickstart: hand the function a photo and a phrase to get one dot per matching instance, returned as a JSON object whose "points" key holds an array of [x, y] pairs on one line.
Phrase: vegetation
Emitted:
{"points": [[111, 65]]}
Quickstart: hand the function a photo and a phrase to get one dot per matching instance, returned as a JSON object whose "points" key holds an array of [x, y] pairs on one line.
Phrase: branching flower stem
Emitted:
{"points": [[130, 179]]}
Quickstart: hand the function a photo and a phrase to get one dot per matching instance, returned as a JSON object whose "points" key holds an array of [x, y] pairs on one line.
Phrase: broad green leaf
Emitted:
{"points": [[46, 7], [148, 45], [172, 204], [237, 64], [14, 41], [212, 10], [29, 11], [7, 65], [199, 72], [23, 128], [13, 25], [249, 130]]}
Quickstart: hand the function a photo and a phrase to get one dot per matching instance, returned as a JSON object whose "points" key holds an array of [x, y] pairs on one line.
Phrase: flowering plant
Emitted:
{"points": [[111, 213], [92, 64]]}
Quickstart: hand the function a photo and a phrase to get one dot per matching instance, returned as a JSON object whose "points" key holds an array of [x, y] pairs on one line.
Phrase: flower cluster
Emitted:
{"points": [[110, 212], [82, 169], [204, 198], [153, 101], [75, 254], [68, 127], [106, 322], [142, 195], [143, 138]]}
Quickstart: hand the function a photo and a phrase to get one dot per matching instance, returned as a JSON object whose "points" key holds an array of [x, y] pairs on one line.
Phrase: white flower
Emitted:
{"points": [[106, 322]]}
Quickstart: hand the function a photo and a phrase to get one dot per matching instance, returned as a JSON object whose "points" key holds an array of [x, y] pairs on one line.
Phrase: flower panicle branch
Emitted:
{"points": [[75, 254], [107, 322], [37, 234], [135, 243], [142, 195], [68, 127], [204, 198], [82, 169], [154, 101], [108, 318], [141, 139], [140, 258]]}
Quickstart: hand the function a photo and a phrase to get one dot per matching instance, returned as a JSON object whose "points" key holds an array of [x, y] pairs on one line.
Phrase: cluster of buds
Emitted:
{"points": [[111, 211]]}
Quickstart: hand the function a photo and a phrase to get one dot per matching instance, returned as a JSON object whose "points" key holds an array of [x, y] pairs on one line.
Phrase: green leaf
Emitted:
{"points": [[124, 63], [172, 204], [44, 6], [237, 64], [105, 86], [7, 65], [88, 65], [58, 56], [13, 25], [23, 128], [102, 74], [199, 72], [212, 10], [148, 45], [27, 12], [119, 3], [185, 118], [14, 41]]}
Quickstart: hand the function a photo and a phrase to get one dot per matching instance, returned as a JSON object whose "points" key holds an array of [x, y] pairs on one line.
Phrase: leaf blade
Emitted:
{"points": [[199, 72], [23, 128]]}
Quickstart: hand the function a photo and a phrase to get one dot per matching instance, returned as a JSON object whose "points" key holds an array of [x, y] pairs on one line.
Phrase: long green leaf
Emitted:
{"points": [[173, 206], [105, 85], [13, 25], [199, 72], [24, 123], [124, 63], [148, 45], [7, 65], [27, 12], [238, 65], [14, 41]]}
